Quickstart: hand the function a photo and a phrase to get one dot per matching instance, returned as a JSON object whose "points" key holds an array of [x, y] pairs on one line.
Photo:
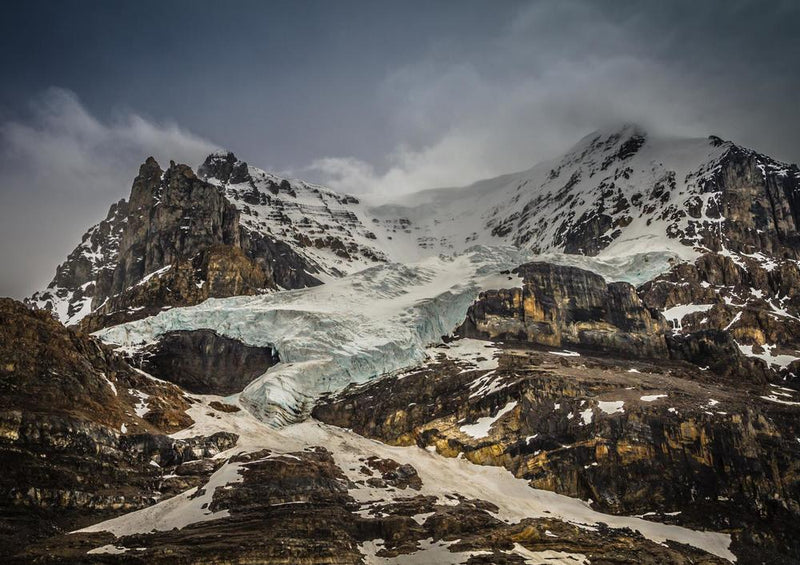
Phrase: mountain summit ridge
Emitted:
{"points": [[616, 191]]}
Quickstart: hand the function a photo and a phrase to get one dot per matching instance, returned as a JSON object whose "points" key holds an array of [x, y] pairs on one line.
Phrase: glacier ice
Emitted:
{"points": [[370, 323]]}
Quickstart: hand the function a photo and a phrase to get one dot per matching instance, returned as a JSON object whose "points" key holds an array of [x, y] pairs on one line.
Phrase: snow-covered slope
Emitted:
{"points": [[615, 192], [330, 230], [513, 498], [91, 264]]}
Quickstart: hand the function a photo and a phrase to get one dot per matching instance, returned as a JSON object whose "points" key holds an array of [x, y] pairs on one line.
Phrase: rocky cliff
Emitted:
{"points": [[752, 299], [204, 362], [215, 272], [561, 306], [177, 241], [82, 434], [658, 438], [755, 202], [566, 306], [87, 271]]}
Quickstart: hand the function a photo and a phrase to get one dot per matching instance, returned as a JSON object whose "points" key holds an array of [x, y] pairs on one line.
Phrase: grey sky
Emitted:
{"points": [[366, 96]]}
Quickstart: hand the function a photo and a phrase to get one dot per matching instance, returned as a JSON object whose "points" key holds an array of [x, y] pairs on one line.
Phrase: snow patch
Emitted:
{"points": [[480, 429], [611, 406], [676, 314], [780, 361]]}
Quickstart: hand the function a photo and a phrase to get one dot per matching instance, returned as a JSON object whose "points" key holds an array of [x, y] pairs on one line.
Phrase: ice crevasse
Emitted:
{"points": [[364, 325]]}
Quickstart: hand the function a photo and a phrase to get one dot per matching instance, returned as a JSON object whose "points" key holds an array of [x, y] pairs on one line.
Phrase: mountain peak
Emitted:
{"points": [[224, 166], [150, 167]]}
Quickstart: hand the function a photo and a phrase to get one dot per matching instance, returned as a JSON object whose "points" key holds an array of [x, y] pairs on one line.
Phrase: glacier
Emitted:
{"points": [[370, 323]]}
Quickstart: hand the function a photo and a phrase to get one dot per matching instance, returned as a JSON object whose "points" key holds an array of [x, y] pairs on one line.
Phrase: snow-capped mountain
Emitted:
{"points": [[587, 361], [614, 193], [638, 204]]}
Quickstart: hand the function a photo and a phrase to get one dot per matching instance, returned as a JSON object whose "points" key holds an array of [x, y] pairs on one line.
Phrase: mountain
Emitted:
{"points": [[619, 192], [614, 193], [595, 360]]}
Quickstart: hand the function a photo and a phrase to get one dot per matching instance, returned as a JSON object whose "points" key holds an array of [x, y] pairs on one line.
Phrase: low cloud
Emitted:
{"points": [[560, 71], [60, 170]]}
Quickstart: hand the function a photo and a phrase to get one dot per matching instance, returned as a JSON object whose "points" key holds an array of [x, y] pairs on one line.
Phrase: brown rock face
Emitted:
{"points": [[79, 429], [753, 299], [172, 215], [664, 437], [215, 272], [176, 242], [566, 306], [759, 200]]}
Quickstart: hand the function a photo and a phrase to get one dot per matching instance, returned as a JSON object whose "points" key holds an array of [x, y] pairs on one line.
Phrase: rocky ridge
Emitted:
{"points": [[752, 300], [177, 241], [656, 438], [619, 191]]}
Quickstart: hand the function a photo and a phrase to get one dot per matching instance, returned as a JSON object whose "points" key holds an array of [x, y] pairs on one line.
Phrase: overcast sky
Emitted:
{"points": [[368, 97]]}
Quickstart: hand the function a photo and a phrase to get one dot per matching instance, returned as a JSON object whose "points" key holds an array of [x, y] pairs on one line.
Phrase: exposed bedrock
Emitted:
{"points": [[215, 272], [759, 201], [563, 306], [717, 352], [204, 362], [82, 434], [755, 299], [172, 215], [632, 436], [298, 508]]}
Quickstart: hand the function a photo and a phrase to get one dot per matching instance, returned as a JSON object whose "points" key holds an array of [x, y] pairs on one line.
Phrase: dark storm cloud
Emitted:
{"points": [[368, 96]]}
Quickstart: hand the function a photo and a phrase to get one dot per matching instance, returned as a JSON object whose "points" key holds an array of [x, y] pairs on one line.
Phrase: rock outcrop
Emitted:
{"points": [[81, 432], [757, 201], [660, 438], [753, 299], [87, 271], [216, 272], [177, 241], [566, 306], [203, 362], [172, 216], [298, 507]]}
